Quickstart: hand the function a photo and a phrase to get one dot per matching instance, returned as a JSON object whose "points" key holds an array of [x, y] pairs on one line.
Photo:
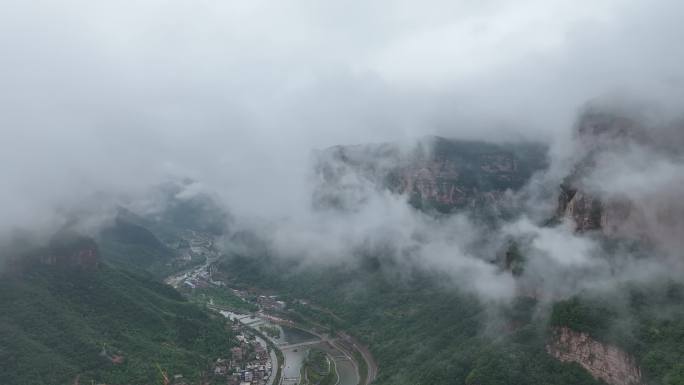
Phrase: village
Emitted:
{"points": [[268, 343], [195, 246], [249, 363]]}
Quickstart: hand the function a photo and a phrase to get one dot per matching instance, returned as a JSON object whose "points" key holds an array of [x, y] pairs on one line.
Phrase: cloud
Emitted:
{"points": [[641, 188], [100, 102]]}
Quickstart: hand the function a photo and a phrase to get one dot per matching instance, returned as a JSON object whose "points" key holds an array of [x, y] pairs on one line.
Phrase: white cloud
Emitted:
{"points": [[107, 99]]}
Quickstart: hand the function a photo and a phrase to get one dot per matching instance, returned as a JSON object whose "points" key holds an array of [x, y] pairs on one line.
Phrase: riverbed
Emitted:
{"points": [[294, 355]]}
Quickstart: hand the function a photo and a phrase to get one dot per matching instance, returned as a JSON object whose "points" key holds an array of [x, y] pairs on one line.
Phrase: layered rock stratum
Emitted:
{"points": [[436, 173], [602, 361]]}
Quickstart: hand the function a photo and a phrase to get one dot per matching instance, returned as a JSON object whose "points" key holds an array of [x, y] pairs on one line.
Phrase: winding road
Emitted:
{"points": [[340, 348]]}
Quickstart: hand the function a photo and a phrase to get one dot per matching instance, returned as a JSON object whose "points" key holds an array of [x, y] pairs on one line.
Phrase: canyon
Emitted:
{"points": [[436, 174]]}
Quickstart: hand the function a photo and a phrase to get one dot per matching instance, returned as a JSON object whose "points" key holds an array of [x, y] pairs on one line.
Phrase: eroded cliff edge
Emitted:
{"points": [[602, 361]]}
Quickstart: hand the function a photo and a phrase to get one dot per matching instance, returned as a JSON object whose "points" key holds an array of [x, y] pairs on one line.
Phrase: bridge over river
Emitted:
{"points": [[294, 342]]}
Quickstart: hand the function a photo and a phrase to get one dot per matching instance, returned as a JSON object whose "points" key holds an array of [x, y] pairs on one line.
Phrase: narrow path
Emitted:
{"points": [[335, 368]]}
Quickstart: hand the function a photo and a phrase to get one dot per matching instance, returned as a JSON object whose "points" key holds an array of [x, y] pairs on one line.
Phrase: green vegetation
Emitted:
{"points": [[271, 331], [279, 354], [514, 260], [221, 297], [419, 332], [362, 365], [645, 321], [133, 247], [105, 325], [139, 243], [473, 168], [471, 155], [318, 369], [199, 213]]}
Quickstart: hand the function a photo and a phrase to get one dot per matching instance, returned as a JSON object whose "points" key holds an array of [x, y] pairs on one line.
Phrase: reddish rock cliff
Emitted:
{"points": [[584, 210], [603, 361], [437, 173], [87, 257], [71, 252], [599, 133], [647, 212]]}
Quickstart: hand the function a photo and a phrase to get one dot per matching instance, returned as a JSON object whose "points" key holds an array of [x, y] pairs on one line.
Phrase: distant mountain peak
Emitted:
{"points": [[435, 173]]}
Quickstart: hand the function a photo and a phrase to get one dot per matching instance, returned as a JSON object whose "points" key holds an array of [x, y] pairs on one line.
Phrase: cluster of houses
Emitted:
{"points": [[193, 246], [200, 279], [270, 302], [249, 362]]}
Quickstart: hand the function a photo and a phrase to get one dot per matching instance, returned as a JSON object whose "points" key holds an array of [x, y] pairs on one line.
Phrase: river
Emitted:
{"points": [[295, 343], [294, 355]]}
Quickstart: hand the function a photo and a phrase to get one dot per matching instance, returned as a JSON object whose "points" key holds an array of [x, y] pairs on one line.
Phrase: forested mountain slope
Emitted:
{"points": [[64, 322]]}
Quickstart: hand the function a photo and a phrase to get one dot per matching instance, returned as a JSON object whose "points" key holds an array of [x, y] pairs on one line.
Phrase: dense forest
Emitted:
{"points": [[647, 321], [419, 332], [107, 325]]}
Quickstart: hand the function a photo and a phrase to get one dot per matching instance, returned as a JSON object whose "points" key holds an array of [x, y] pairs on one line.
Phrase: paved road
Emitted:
{"points": [[176, 280], [365, 354], [293, 346]]}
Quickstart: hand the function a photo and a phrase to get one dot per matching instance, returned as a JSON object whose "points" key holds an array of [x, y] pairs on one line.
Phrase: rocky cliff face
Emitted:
{"points": [[604, 362], [584, 211], [627, 213], [596, 133], [436, 174], [85, 257], [62, 251]]}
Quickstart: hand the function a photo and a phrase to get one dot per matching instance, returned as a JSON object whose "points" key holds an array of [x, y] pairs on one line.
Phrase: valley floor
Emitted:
{"points": [[353, 362]]}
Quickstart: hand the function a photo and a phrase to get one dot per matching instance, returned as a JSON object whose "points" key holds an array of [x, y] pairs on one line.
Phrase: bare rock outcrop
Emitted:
{"points": [[63, 252], [584, 210], [602, 361], [603, 194], [436, 173]]}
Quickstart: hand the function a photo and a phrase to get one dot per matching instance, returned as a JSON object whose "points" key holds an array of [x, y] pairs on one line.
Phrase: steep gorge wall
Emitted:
{"points": [[585, 211], [436, 173], [596, 133], [76, 252], [602, 361], [645, 208]]}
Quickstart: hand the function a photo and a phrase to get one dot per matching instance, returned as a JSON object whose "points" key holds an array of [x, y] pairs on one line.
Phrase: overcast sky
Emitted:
{"points": [[116, 95]]}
